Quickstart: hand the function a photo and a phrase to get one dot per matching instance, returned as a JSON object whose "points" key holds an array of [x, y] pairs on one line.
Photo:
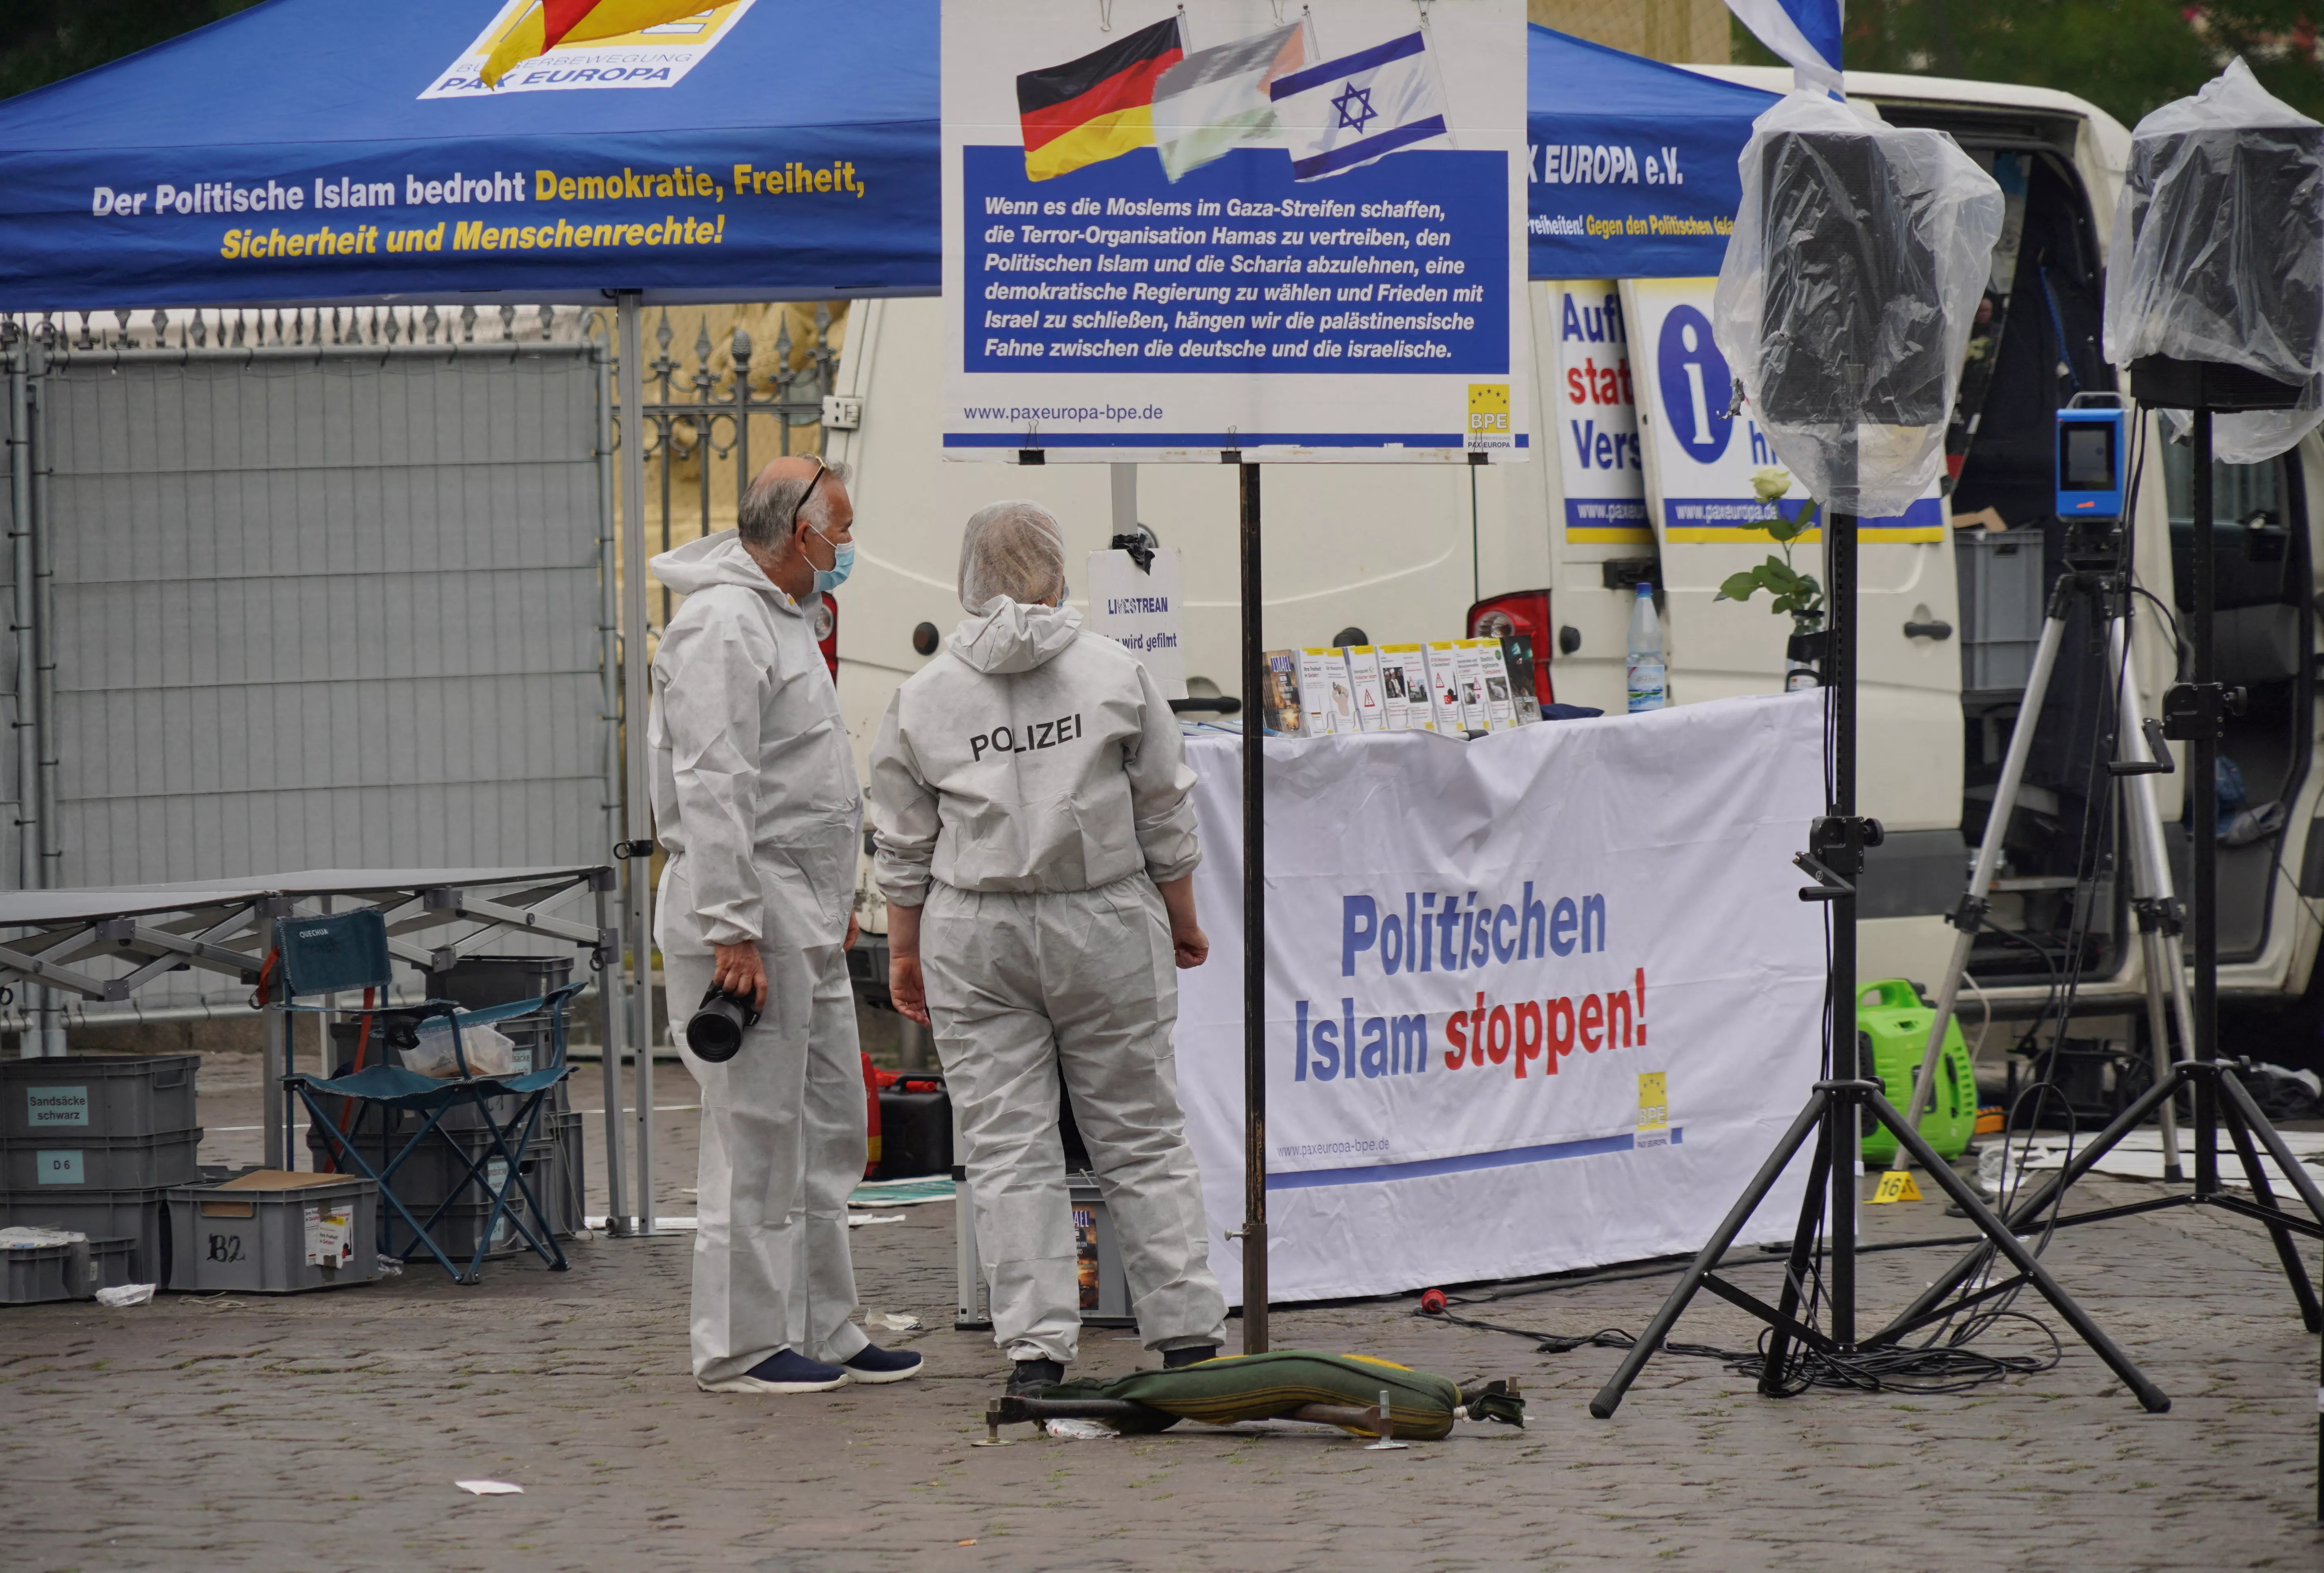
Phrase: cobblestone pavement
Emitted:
{"points": [[324, 1432]]}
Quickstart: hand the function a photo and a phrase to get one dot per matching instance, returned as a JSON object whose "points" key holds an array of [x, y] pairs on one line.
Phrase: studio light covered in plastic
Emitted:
{"points": [[2218, 252], [1848, 293]]}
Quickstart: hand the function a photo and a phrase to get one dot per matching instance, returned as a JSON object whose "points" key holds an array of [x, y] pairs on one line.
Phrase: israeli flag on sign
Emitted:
{"points": [[1805, 33], [1349, 112]]}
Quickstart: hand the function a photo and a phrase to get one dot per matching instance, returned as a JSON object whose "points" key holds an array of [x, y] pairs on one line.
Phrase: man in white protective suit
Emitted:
{"points": [[1035, 836], [758, 808]]}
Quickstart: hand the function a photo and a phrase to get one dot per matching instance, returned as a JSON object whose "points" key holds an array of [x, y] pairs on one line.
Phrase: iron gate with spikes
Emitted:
{"points": [[701, 445]]}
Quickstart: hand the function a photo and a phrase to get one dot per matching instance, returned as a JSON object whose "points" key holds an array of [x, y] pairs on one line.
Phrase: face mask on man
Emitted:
{"points": [[843, 562]]}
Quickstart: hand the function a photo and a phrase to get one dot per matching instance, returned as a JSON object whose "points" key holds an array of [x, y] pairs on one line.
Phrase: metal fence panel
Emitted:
{"points": [[331, 611]]}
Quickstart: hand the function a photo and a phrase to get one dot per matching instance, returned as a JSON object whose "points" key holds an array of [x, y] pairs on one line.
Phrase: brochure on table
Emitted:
{"points": [[1174, 230]]}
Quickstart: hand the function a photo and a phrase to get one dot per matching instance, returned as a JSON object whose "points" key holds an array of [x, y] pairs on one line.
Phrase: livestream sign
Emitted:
{"points": [[1539, 1002], [1210, 227]]}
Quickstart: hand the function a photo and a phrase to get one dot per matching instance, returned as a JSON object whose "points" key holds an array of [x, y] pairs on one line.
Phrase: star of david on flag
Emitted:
{"points": [[1355, 110]]}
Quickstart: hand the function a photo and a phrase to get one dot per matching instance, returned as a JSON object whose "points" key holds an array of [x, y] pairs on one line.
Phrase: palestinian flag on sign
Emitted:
{"points": [[1216, 99], [555, 22], [1096, 107]]}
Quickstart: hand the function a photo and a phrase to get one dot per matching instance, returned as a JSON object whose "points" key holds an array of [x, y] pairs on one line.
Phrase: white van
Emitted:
{"points": [[1401, 554]]}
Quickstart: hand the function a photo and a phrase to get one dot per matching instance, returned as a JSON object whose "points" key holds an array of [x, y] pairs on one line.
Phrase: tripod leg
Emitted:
{"points": [[2258, 1124], [1609, 1397], [1965, 1197], [1989, 846], [2032, 1208], [2287, 1248], [1795, 1272], [2158, 1034], [2150, 881]]}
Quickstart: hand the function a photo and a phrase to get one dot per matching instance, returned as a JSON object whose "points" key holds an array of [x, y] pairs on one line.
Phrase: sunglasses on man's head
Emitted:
{"points": [[821, 470]]}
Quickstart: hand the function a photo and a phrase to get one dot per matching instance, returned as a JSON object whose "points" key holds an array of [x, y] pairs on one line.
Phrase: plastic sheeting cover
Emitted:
{"points": [[2218, 251], [1848, 293]]}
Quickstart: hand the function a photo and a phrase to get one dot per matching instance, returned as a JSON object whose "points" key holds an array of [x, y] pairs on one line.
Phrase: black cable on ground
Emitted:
{"points": [[1928, 1369]]}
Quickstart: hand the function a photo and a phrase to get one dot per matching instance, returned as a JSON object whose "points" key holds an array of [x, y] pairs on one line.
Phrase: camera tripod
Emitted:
{"points": [[1836, 1109], [2218, 1092], [2194, 712]]}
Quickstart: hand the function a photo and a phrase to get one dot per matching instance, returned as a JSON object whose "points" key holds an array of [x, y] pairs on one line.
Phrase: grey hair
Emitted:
{"points": [[770, 505]]}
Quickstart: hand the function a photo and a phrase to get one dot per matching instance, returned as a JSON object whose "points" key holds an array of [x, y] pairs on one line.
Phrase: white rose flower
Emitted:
{"points": [[1768, 483]]}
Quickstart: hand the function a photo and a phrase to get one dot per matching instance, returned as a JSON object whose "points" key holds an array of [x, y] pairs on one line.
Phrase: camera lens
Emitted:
{"points": [[714, 1031]]}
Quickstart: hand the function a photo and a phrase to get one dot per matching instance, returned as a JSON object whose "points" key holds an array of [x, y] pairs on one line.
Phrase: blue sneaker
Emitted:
{"points": [[873, 1364], [784, 1371]]}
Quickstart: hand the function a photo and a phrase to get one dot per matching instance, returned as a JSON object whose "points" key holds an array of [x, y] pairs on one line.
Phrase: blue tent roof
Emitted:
{"points": [[1632, 162], [306, 101], [288, 152]]}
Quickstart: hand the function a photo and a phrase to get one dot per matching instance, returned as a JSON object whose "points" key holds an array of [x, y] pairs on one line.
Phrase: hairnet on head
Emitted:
{"points": [[1013, 548]]}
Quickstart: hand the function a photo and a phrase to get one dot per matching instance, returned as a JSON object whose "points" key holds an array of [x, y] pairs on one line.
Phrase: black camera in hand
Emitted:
{"points": [[714, 1031]]}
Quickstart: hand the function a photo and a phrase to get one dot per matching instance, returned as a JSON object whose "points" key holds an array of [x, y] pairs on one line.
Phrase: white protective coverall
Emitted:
{"points": [[758, 808], [1028, 787]]}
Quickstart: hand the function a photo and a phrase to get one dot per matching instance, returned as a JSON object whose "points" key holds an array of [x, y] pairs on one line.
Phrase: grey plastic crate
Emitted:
{"points": [[463, 1223], [62, 1160], [2001, 607], [476, 983], [138, 1216], [429, 1174], [36, 1274], [563, 1189], [33, 1275], [88, 1094], [261, 1240], [111, 1264]]}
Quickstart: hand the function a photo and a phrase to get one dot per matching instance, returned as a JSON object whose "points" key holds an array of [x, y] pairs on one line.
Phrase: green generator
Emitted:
{"points": [[1892, 1034]]}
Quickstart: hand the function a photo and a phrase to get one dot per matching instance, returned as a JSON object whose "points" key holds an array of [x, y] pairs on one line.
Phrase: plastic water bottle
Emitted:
{"points": [[1649, 682]]}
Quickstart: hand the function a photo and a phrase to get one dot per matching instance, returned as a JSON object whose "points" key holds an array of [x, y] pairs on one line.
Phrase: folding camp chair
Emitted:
{"points": [[339, 955]]}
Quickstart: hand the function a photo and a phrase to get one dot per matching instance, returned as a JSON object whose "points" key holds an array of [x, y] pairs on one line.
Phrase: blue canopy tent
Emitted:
{"points": [[309, 151], [294, 152], [1632, 162], [290, 153]]}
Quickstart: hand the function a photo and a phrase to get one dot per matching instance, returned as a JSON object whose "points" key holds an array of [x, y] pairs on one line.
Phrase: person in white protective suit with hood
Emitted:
{"points": [[1034, 838], [757, 805]]}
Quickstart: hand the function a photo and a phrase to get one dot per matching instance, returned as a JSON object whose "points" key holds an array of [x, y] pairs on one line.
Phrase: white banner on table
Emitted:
{"points": [[1173, 229], [1587, 1065]]}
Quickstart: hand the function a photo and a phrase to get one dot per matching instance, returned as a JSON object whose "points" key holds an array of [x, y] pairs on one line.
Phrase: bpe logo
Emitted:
{"points": [[1695, 385]]}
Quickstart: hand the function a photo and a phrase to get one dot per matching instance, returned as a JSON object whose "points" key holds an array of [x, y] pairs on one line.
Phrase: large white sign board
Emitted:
{"points": [[1293, 232], [1585, 1065]]}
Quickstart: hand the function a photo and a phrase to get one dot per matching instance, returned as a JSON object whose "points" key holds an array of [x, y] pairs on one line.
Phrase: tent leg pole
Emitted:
{"points": [[638, 898], [32, 1044], [1254, 929]]}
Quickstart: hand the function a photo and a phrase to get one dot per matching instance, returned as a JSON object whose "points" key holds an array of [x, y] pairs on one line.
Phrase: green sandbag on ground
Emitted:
{"points": [[1258, 1387]]}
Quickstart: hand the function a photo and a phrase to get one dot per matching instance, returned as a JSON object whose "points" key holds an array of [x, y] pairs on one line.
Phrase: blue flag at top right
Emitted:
{"points": [[1803, 32]]}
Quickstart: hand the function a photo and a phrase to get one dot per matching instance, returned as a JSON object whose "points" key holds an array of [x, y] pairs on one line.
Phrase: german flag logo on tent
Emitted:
{"points": [[554, 22], [1097, 108]]}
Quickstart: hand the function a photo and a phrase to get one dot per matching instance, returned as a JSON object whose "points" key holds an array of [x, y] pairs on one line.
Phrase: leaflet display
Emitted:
{"points": [[1210, 227]]}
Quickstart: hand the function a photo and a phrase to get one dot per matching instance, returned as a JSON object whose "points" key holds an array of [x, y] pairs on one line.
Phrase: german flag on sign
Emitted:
{"points": [[1097, 108]]}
